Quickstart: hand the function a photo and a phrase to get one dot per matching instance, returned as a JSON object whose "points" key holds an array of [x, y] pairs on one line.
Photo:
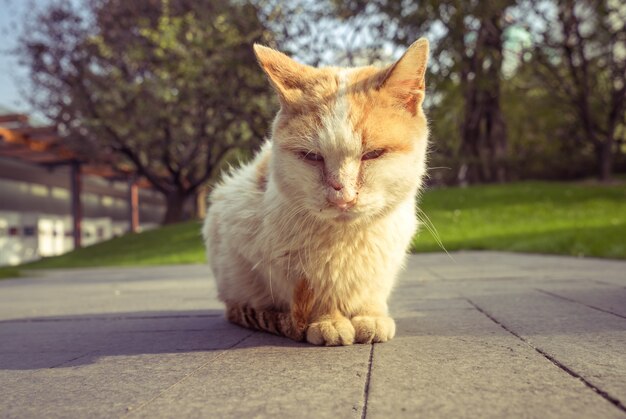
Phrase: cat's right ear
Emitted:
{"points": [[406, 78], [288, 77]]}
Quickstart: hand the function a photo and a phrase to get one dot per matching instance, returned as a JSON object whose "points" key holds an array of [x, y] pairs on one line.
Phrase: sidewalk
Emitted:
{"points": [[486, 335]]}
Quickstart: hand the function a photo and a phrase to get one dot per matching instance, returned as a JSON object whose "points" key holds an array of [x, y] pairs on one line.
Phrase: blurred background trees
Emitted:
{"points": [[168, 88], [579, 55], [518, 89], [467, 59]]}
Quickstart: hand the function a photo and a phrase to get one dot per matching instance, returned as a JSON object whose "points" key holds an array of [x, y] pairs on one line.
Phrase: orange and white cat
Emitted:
{"points": [[308, 238]]}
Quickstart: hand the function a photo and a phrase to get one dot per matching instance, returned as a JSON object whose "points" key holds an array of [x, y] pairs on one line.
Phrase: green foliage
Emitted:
{"points": [[577, 220], [577, 60], [166, 87], [541, 133]]}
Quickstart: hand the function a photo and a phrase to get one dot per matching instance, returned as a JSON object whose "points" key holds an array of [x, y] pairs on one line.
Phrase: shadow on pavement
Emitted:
{"points": [[70, 341]]}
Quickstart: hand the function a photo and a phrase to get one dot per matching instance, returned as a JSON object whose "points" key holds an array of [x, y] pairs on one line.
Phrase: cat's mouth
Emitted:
{"points": [[339, 215]]}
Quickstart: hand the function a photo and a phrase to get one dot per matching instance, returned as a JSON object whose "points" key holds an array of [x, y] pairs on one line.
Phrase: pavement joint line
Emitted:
{"points": [[614, 401], [607, 283], [96, 318], [579, 302], [130, 409], [473, 279], [73, 359], [366, 388], [132, 332], [434, 272]]}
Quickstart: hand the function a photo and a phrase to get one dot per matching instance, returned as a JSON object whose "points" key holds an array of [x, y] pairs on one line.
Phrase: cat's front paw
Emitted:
{"points": [[370, 329], [332, 332]]}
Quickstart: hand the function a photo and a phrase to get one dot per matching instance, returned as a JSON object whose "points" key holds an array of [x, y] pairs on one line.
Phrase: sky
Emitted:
{"points": [[12, 15]]}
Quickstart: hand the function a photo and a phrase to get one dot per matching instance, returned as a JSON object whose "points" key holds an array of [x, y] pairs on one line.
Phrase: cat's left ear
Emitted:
{"points": [[405, 79]]}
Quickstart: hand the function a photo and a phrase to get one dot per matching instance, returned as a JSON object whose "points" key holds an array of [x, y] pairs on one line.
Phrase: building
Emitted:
{"points": [[52, 202]]}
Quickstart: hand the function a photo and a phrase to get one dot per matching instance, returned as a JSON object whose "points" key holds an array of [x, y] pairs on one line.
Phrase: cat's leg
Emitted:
{"points": [[373, 324]]}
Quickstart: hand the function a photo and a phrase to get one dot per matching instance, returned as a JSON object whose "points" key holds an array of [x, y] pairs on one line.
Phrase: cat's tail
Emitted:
{"points": [[276, 322], [292, 324]]}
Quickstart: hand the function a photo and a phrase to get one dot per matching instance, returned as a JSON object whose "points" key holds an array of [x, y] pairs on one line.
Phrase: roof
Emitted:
{"points": [[18, 139], [42, 145]]}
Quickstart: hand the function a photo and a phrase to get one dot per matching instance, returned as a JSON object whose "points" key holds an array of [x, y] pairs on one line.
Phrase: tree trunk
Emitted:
{"points": [[496, 137], [495, 127], [604, 153], [483, 133], [175, 202], [472, 168]]}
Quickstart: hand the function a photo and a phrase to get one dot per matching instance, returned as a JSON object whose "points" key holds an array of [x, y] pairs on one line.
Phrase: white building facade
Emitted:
{"points": [[36, 210]]}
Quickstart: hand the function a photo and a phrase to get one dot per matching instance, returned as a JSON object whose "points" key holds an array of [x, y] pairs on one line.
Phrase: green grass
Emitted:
{"points": [[535, 217], [173, 244], [9, 272]]}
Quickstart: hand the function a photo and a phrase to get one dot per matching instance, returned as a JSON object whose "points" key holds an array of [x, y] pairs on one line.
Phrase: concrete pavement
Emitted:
{"points": [[484, 334]]}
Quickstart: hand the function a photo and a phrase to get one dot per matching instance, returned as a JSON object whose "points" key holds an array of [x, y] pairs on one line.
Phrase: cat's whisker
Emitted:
{"points": [[433, 231]]}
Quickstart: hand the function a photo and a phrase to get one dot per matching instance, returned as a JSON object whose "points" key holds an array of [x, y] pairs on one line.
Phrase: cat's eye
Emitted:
{"points": [[307, 155], [374, 154]]}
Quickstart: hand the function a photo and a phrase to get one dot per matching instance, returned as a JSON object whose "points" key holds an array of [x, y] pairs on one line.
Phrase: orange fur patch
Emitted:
{"points": [[302, 304], [379, 116]]}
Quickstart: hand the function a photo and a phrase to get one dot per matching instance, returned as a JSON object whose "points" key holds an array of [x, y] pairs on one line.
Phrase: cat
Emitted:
{"points": [[306, 240]]}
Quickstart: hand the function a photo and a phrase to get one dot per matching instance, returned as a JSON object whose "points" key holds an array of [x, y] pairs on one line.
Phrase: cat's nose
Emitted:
{"points": [[335, 185]]}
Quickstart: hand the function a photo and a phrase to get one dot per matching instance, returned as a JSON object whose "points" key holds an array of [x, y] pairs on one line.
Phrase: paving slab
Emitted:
{"points": [[588, 342], [599, 296], [480, 334], [456, 362], [278, 379]]}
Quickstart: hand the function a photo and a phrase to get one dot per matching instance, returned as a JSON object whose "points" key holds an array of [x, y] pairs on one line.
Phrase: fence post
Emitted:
{"points": [[133, 205], [77, 210]]}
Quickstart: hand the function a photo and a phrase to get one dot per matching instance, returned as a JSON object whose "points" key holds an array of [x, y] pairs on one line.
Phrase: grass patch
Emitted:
{"points": [[172, 244], [9, 272], [534, 217]]}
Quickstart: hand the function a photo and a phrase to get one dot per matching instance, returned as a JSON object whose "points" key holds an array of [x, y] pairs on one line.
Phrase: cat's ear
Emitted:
{"points": [[405, 79], [289, 78]]}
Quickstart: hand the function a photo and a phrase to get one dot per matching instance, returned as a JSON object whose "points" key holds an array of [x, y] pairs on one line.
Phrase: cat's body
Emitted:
{"points": [[309, 237]]}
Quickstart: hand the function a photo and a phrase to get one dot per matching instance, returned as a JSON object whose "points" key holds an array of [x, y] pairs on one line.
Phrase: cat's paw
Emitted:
{"points": [[370, 329], [332, 332]]}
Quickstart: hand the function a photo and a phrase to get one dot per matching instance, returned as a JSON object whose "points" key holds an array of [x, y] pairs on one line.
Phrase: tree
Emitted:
{"points": [[169, 87], [579, 55], [325, 32]]}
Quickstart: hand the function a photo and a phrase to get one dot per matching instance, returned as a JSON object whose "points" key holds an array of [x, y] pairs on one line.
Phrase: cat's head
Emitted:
{"points": [[348, 143]]}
